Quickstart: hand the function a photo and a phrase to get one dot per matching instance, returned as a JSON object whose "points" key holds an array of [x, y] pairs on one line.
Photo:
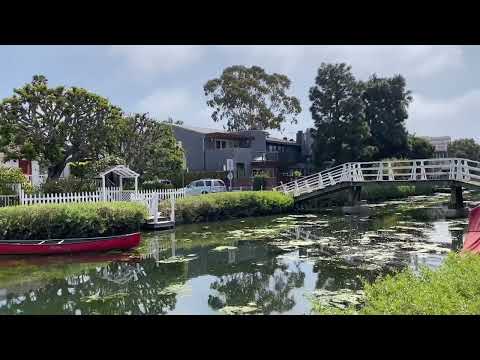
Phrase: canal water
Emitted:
{"points": [[268, 265]]}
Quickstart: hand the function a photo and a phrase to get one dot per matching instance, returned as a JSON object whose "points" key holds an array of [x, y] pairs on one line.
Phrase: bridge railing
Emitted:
{"points": [[463, 170]]}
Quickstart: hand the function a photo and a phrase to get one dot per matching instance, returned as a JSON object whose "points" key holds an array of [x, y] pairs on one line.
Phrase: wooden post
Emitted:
{"points": [[172, 209], [456, 197], [354, 194], [103, 189]]}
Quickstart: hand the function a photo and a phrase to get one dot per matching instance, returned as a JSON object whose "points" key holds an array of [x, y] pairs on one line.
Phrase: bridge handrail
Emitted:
{"points": [[460, 169]]}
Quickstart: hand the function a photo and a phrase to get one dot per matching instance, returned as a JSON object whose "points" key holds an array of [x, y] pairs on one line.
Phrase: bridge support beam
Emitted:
{"points": [[456, 198], [354, 194]]}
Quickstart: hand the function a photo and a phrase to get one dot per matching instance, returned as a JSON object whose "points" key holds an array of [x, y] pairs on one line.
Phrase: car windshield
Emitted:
{"points": [[199, 184], [218, 183]]}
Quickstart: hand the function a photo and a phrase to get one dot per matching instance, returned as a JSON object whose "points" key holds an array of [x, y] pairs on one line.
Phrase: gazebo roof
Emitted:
{"points": [[121, 170]]}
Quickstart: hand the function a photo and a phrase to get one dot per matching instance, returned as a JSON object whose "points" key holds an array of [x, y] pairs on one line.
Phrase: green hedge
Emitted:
{"points": [[228, 205], [63, 221], [453, 289], [68, 185]]}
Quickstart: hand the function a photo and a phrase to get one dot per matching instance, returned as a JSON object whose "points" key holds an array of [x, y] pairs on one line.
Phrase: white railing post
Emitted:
{"points": [[423, 173], [391, 176], [380, 171], [413, 171], [172, 208], [466, 170]]}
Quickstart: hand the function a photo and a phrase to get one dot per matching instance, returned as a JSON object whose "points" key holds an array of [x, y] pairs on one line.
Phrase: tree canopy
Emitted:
{"points": [[419, 148], [149, 147], [386, 103], [464, 148], [341, 132], [56, 125], [248, 98], [359, 121]]}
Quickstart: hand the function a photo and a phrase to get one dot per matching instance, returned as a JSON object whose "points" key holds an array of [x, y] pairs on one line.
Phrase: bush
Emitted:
{"points": [[67, 185], [63, 221], [454, 288], [155, 185], [260, 182], [11, 176], [228, 205]]}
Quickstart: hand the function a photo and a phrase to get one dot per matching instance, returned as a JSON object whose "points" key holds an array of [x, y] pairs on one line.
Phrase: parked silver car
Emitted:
{"points": [[205, 186]]}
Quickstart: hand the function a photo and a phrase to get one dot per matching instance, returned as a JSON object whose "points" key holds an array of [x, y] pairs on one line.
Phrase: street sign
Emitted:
{"points": [[230, 176]]}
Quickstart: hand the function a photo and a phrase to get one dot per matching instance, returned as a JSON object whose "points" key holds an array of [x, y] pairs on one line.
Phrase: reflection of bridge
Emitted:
{"points": [[453, 173]]}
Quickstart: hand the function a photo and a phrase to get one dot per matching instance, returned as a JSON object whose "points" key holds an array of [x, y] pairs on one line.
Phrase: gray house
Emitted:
{"points": [[252, 151]]}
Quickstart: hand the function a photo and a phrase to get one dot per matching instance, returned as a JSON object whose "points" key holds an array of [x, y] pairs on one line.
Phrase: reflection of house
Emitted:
{"points": [[441, 145], [252, 152]]}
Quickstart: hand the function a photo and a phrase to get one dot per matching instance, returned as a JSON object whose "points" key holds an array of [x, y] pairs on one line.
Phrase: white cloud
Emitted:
{"points": [[410, 60], [163, 103], [158, 58], [456, 116]]}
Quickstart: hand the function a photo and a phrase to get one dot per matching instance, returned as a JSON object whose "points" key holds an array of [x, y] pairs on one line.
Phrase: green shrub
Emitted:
{"points": [[155, 185], [62, 221], [11, 176], [260, 182], [454, 288], [227, 205], [67, 185]]}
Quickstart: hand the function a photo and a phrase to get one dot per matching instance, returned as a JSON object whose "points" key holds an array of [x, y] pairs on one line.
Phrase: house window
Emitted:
{"points": [[240, 170], [221, 144]]}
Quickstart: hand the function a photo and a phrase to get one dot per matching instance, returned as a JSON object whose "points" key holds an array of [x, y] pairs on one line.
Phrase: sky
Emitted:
{"points": [[167, 80]]}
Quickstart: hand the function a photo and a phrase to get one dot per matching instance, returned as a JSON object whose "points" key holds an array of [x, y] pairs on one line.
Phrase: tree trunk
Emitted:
{"points": [[56, 170]]}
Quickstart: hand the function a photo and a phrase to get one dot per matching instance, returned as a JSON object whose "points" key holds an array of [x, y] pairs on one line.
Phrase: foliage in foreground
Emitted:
{"points": [[62, 221], [454, 288], [228, 205], [10, 176]]}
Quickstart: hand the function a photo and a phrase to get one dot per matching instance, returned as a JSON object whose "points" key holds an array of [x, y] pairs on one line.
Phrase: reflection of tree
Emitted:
{"points": [[332, 276], [117, 288], [269, 287]]}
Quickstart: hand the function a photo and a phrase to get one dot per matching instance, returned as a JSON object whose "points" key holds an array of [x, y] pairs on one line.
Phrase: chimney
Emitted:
{"points": [[299, 137]]}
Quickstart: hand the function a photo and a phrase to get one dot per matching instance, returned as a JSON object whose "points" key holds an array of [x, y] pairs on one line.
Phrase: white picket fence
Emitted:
{"points": [[110, 194], [9, 200]]}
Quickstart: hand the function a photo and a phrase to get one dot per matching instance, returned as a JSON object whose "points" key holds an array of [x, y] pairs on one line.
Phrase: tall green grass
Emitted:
{"points": [[454, 288]]}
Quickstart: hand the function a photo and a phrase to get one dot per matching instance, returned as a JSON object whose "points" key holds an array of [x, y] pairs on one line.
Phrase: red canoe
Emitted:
{"points": [[472, 237], [56, 246]]}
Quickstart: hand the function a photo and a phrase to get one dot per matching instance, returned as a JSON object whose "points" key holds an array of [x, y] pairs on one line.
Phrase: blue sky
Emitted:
{"points": [[168, 80]]}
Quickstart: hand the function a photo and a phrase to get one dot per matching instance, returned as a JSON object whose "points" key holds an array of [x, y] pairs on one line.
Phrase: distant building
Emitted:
{"points": [[441, 145], [252, 152], [31, 169]]}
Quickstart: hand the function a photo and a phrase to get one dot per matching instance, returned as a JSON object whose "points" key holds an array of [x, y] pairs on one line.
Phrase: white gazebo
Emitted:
{"points": [[124, 172]]}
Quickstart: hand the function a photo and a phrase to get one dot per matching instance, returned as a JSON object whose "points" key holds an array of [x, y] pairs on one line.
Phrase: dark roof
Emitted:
{"points": [[281, 141]]}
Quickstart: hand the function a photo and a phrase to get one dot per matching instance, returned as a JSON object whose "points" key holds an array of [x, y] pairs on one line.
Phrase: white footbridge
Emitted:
{"points": [[452, 172]]}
